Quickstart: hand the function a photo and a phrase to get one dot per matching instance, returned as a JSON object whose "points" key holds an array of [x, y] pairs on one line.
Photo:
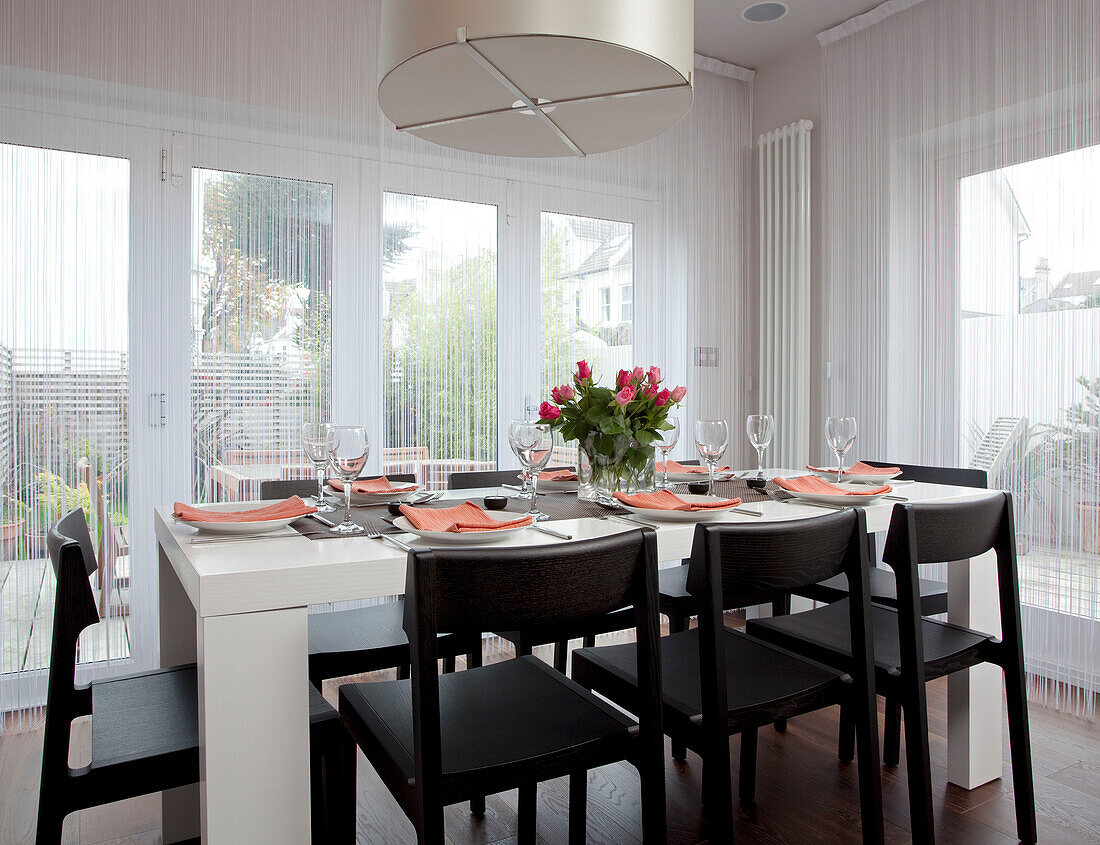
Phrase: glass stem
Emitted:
{"points": [[320, 485], [534, 495], [664, 480], [759, 462], [347, 502], [839, 466], [710, 473]]}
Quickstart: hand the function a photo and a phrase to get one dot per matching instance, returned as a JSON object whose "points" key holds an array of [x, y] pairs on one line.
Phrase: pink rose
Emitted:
{"points": [[638, 374], [566, 392], [654, 375], [548, 411], [662, 399], [583, 371], [624, 396], [622, 378], [678, 393], [555, 394], [651, 390]]}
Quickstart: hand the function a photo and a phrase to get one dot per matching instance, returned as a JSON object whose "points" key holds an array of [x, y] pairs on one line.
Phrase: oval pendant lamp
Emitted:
{"points": [[536, 77]]}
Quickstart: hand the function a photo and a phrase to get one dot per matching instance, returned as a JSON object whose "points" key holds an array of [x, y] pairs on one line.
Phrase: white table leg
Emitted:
{"points": [[179, 807], [254, 728], [974, 695]]}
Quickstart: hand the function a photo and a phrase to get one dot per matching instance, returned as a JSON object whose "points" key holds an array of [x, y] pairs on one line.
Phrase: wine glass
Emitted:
{"points": [[668, 442], [317, 444], [711, 439], [525, 479], [348, 455], [759, 428], [840, 434], [533, 442]]}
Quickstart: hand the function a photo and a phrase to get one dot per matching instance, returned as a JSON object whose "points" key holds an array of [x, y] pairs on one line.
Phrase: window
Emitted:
{"points": [[439, 277], [587, 256], [627, 303], [261, 276]]}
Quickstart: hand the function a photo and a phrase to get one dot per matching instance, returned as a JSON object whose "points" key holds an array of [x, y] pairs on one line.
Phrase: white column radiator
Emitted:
{"points": [[784, 176]]}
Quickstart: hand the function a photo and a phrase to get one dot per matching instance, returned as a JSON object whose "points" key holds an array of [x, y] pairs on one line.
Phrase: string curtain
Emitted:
{"points": [[961, 267], [290, 256]]}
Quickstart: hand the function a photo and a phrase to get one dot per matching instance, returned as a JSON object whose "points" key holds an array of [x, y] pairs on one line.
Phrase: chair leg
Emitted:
{"points": [[718, 796], [430, 829], [473, 661], [746, 779], [578, 806], [449, 664], [677, 622], [403, 672], [477, 806], [528, 800], [846, 741], [50, 825], [651, 771], [780, 726], [891, 741], [1019, 740], [919, 767], [869, 775]]}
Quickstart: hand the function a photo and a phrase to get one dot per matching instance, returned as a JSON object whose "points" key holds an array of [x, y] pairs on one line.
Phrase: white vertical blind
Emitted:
{"points": [[960, 217]]}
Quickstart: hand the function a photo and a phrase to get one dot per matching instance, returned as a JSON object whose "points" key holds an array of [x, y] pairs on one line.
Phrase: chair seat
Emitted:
{"points": [[147, 717], [823, 634], [884, 590], [495, 716], [757, 674]]}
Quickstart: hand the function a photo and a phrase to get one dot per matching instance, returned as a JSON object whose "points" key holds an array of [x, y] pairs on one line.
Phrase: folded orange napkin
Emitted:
{"points": [[558, 475], [370, 485], [464, 517], [674, 466], [813, 484], [859, 468], [287, 509], [666, 500]]}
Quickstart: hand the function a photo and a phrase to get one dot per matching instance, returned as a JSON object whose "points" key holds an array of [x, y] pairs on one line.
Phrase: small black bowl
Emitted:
{"points": [[698, 487], [394, 508], [757, 483], [496, 503]]}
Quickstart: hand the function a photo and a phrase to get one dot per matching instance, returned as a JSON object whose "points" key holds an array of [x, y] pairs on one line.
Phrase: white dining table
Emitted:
{"points": [[239, 610]]}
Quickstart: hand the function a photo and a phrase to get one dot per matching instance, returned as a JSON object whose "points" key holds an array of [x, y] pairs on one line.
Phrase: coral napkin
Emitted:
{"points": [[859, 468], [370, 485], [813, 484], [287, 509], [674, 466], [558, 475], [464, 517], [666, 500]]}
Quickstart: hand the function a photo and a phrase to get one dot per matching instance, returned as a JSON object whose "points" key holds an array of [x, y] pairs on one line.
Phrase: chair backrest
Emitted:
{"points": [[468, 591], [308, 486], [72, 555], [957, 476], [760, 562], [490, 478]]}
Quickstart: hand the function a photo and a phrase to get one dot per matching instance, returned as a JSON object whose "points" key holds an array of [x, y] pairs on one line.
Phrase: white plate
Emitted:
{"points": [[548, 486], [465, 538], [840, 498], [862, 479], [685, 477], [255, 526], [373, 498], [681, 516]]}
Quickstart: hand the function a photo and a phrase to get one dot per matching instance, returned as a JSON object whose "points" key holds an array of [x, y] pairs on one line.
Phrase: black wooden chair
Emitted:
{"points": [[145, 731], [673, 598], [362, 639], [910, 650], [933, 594], [441, 739], [718, 682]]}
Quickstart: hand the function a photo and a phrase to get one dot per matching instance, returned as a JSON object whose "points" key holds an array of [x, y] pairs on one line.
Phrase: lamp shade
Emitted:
{"points": [[536, 77]]}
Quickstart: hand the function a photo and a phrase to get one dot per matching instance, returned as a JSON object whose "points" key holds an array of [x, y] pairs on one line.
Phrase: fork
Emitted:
{"points": [[373, 534]]}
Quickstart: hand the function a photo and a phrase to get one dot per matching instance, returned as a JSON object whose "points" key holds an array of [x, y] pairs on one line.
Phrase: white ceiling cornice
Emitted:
{"points": [[723, 68], [865, 21]]}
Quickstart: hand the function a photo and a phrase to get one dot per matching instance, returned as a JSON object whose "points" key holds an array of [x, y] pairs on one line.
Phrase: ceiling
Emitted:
{"points": [[721, 32]]}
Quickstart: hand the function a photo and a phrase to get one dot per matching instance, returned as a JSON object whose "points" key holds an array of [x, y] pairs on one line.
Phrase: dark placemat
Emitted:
{"points": [[555, 505], [732, 490], [368, 518]]}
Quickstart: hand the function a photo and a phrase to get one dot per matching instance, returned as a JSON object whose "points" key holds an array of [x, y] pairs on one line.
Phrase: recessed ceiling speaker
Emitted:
{"points": [[536, 78], [764, 12]]}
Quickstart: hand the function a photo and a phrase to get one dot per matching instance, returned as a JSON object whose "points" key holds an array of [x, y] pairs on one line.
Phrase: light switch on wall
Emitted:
{"points": [[706, 356]]}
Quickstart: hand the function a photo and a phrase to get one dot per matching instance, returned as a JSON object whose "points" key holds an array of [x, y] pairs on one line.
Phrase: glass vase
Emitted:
{"points": [[607, 463]]}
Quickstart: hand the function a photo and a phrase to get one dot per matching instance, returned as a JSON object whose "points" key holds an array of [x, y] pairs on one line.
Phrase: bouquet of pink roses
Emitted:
{"points": [[616, 428]]}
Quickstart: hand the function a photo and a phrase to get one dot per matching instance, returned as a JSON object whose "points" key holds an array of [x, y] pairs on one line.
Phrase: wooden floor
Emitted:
{"points": [[803, 795]]}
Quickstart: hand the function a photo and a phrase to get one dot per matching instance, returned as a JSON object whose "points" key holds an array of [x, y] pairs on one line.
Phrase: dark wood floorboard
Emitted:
{"points": [[804, 794]]}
